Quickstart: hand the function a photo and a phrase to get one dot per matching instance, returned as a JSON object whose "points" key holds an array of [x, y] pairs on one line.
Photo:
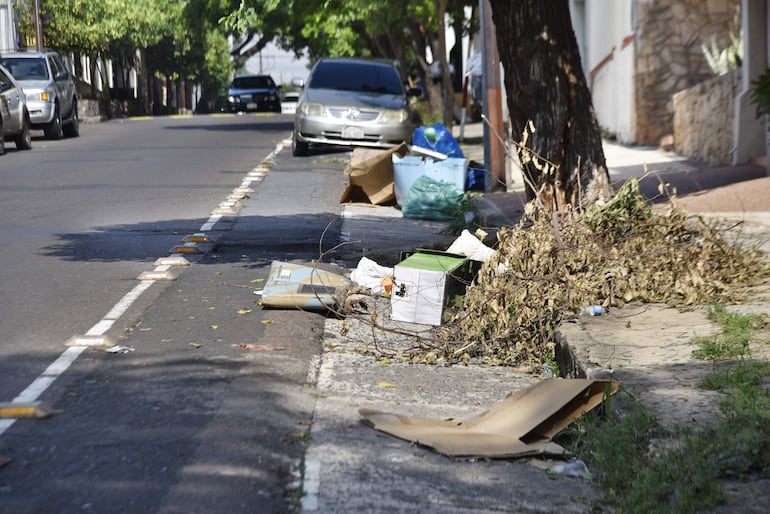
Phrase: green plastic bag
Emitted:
{"points": [[430, 199]]}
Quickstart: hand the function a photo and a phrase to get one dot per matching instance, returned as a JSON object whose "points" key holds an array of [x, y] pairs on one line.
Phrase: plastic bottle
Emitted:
{"points": [[592, 310]]}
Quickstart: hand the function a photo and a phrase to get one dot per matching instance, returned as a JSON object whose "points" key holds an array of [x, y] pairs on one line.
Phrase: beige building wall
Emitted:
{"points": [[637, 54], [669, 56]]}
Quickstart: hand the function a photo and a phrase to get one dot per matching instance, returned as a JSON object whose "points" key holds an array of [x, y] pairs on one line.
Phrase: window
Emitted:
{"points": [[361, 77]]}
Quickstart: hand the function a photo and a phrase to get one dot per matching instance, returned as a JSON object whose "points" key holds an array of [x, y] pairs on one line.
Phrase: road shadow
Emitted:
{"points": [[246, 238]]}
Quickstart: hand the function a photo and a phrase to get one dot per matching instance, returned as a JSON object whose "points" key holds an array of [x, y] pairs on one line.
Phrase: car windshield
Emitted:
{"points": [[361, 77], [253, 83], [26, 68]]}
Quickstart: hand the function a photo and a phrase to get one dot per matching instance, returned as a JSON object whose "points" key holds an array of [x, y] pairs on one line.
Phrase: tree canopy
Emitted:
{"points": [[190, 39]]}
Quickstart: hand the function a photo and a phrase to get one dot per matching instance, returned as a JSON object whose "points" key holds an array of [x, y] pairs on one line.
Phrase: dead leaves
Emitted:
{"points": [[611, 255]]}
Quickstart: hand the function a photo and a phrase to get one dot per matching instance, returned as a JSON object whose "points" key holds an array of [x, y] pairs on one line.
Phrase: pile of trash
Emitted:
{"points": [[553, 266], [428, 179]]}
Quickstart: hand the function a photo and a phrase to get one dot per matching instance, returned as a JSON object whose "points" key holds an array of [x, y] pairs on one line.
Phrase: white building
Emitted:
{"points": [[7, 26]]}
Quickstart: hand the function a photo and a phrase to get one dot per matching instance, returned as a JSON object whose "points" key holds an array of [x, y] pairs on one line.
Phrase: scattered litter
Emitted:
{"points": [[213, 327], [370, 175], [261, 347], [592, 310], [469, 245], [371, 275], [427, 284], [34, 410], [437, 138], [574, 468], [119, 349], [520, 425], [429, 189], [386, 385], [294, 286], [267, 322], [196, 345], [244, 311]]}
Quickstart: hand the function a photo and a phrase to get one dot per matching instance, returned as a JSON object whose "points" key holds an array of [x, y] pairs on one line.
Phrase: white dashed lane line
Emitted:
{"points": [[38, 386]]}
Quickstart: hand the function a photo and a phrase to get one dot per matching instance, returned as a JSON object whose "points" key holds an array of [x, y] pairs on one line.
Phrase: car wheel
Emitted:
{"points": [[72, 129], [24, 139], [298, 148], [54, 129]]}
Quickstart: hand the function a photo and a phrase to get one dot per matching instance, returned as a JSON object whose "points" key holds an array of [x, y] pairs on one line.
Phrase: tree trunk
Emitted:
{"points": [[549, 100], [431, 91]]}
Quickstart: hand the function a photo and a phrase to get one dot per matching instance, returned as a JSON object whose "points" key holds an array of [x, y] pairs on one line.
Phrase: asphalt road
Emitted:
{"points": [[208, 408]]}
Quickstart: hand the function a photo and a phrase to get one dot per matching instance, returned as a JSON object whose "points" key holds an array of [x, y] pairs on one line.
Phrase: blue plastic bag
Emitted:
{"points": [[476, 177], [437, 138]]}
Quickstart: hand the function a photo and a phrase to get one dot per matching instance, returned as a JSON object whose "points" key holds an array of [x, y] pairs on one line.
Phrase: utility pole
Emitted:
{"points": [[494, 148], [38, 26]]}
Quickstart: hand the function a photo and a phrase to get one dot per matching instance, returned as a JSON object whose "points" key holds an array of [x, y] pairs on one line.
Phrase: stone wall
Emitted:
{"points": [[89, 110], [703, 120], [669, 56]]}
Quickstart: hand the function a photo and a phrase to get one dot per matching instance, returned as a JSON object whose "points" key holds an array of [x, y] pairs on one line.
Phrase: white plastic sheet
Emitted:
{"points": [[370, 274]]}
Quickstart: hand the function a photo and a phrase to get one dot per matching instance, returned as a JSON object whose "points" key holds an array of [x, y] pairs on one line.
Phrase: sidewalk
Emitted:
{"points": [[350, 467]]}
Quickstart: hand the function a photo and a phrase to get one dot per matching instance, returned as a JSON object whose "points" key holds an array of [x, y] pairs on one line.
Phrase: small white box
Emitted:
{"points": [[425, 283]]}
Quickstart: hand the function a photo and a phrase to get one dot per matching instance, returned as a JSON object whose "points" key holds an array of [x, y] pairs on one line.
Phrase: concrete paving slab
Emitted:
{"points": [[350, 467]]}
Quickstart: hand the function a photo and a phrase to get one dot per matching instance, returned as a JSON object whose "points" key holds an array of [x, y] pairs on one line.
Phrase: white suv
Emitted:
{"points": [[49, 88], [14, 118]]}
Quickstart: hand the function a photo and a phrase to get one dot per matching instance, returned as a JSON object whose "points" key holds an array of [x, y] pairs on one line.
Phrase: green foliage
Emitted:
{"points": [[104, 27], [724, 60], [732, 341], [616, 448], [686, 478], [217, 68], [760, 93]]}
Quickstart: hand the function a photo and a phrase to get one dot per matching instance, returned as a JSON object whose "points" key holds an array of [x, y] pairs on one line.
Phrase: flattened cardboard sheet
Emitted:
{"points": [[520, 425], [292, 285]]}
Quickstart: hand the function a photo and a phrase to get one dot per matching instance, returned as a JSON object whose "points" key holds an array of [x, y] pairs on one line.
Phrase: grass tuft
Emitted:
{"points": [[686, 478]]}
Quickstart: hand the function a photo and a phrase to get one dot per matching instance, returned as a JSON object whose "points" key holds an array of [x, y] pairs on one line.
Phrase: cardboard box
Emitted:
{"points": [[370, 175], [292, 286], [427, 282], [408, 169]]}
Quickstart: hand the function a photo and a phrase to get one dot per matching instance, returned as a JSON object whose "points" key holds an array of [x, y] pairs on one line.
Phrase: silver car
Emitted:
{"points": [[352, 102], [14, 117], [50, 90]]}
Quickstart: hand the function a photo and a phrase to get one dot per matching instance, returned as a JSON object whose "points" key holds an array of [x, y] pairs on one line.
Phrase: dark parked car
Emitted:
{"points": [[49, 88], [14, 117], [352, 102], [250, 93]]}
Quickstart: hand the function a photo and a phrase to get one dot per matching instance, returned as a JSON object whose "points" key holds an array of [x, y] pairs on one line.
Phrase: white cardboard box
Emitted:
{"points": [[424, 284]]}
